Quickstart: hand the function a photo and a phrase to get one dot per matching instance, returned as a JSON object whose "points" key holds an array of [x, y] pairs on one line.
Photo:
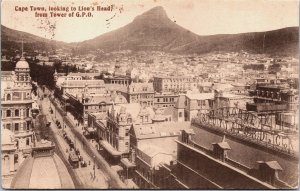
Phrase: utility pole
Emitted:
{"points": [[94, 167]]}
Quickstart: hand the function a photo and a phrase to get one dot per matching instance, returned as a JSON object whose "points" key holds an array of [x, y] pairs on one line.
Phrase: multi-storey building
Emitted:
{"points": [[150, 158], [8, 151], [174, 84], [244, 159], [81, 106], [16, 104], [115, 133], [164, 99], [141, 93], [121, 80], [189, 105], [271, 97], [77, 86]]}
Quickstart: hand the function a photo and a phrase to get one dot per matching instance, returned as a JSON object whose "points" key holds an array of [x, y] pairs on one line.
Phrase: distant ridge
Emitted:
{"points": [[11, 39], [153, 30]]}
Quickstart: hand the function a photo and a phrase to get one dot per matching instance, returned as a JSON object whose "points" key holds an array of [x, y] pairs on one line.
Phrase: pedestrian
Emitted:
{"points": [[66, 150], [89, 162]]}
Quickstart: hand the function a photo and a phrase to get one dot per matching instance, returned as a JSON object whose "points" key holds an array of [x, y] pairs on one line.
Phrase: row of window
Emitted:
{"points": [[141, 96], [171, 99], [22, 78], [15, 113], [16, 95], [101, 108], [16, 126]]}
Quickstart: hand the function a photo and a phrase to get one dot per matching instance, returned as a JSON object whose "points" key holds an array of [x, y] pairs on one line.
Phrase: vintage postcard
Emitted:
{"points": [[149, 94]]}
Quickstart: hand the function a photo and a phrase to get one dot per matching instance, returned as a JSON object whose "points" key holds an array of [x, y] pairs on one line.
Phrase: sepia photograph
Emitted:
{"points": [[150, 94]]}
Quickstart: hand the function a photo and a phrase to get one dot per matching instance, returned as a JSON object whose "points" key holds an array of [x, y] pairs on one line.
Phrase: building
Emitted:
{"points": [[164, 100], [174, 84], [271, 97], [81, 106], [121, 80], [190, 104], [244, 159], [115, 140], [150, 158], [77, 85], [8, 153], [16, 105], [141, 93]]}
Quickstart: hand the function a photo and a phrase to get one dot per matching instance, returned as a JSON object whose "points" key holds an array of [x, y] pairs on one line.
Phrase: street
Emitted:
{"points": [[86, 174]]}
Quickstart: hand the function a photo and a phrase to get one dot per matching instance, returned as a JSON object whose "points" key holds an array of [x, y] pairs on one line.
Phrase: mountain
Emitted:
{"points": [[12, 39], [151, 30], [155, 31]]}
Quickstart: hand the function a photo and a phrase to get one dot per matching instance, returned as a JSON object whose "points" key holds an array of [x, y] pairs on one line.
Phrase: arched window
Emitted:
{"points": [[8, 97], [8, 113], [17, 113]]}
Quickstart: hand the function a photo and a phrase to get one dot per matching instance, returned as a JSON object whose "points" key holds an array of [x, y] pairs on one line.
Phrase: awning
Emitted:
{"points": [[127, 163], [110, 149], [90, 129]]}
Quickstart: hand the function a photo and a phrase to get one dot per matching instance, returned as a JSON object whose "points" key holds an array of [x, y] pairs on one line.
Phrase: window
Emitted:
{"points": [[126, 133], [8, 126], [180, 114], [17, 113], [146, 118], [142, 119], [27, 112], [28, 125], [16, 126], [8, 97], [8, 113]]}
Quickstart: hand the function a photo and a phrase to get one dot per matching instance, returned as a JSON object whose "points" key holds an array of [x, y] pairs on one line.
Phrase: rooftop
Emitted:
{"points": [[201, 96], [164, 129], [42, 173]]}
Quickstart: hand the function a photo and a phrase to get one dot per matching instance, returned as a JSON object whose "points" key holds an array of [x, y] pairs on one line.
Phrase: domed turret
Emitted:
{"points": [[22, 64]]}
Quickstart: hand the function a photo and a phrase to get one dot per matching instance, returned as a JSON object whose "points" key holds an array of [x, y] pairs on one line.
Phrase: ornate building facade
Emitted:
{"points": [[16, 104]]}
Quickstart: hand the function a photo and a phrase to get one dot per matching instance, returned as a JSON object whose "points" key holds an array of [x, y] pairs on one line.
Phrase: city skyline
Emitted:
{"points": [[226, 17]]}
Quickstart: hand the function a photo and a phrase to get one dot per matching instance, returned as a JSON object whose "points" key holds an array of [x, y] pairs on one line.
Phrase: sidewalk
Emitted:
{"points": [[86, 174], [114, 179]]}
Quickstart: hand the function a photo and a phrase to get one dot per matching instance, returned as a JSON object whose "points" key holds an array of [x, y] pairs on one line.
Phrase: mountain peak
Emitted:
{"points": [[156, 13], [156, 10]]}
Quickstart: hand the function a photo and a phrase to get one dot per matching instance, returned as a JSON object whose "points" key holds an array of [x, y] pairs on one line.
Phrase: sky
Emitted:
{"points": [[203, 17]]}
